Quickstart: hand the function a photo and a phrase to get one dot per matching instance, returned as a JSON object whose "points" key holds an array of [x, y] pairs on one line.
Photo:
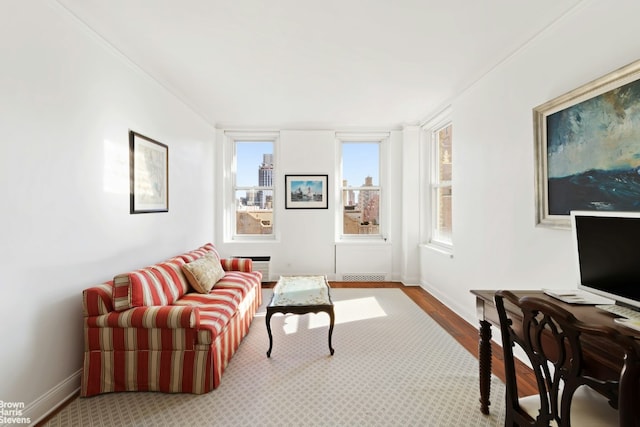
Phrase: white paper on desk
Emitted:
{"points": [[629, 323], [577, 296]]}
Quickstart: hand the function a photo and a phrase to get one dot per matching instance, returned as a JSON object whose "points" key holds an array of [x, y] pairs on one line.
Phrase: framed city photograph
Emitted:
{"points": [[587, 146], [148, 175], [306, 191]]}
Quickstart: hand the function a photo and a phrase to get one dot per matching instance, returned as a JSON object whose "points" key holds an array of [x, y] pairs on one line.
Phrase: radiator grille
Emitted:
{"points": [[364, 277]]}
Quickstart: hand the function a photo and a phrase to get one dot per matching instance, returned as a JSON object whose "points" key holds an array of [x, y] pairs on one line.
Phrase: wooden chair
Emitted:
{"points": [[552, 338]]}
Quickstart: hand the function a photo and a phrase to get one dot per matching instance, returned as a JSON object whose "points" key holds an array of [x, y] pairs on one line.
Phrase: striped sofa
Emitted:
{"points": [[148, 330]]}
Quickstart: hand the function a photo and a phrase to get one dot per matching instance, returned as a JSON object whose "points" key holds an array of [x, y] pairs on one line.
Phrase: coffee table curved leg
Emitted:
{"points": [[331, 322], [268, 320]]}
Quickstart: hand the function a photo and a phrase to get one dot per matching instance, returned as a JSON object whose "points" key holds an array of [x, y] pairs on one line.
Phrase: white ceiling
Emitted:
{"points": [[317, 64]]}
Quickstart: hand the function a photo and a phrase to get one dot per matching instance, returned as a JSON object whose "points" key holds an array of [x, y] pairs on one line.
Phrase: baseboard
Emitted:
{"points": [[454, 306], [409, 280], [51, 400]]}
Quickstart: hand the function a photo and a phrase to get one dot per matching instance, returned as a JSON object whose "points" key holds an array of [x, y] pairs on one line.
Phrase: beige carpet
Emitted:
{"points": [[393, 366]]}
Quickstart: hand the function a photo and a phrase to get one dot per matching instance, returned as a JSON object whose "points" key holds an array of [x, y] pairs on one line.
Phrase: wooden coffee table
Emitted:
{"points": [[300, 295]]}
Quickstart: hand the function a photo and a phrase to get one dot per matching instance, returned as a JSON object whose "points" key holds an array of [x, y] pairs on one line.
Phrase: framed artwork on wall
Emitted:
{"points": [[148, 175], [306, 192], [587, 146]]}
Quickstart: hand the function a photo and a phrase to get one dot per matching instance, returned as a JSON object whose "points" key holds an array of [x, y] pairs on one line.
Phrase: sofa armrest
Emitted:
{"points": [[163, 317], [97, 299], [237, 264]]}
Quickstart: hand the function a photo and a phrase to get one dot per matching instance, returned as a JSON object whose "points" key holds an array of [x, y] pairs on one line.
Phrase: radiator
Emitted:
{"points": [[363, 262]]}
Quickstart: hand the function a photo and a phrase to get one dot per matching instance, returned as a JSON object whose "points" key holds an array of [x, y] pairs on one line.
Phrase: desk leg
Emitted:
{"points": [[331, 322], [268, 320], [484, 357]]}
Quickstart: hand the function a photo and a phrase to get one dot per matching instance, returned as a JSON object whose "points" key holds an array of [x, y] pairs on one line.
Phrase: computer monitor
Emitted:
{"points": [[607, 248]]}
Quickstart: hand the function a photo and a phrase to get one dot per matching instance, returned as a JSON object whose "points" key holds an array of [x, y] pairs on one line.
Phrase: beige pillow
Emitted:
{"points": [[204, 272]]}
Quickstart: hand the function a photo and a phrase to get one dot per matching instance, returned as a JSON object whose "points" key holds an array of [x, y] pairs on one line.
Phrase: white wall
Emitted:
{"points": [[497, 244], [306, 239], [67, 103], [409, 182], [306, 236]]}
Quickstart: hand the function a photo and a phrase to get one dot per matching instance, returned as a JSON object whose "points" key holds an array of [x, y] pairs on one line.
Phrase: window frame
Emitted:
{"points": [[232, 187], [382, 139], [433, 184]]}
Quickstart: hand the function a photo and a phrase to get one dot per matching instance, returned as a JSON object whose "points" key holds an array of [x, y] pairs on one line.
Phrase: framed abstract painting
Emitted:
{"points": [[587, 146]]}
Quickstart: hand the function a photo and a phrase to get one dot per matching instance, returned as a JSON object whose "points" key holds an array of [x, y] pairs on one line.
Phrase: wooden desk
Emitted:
{"points": [[601, 360]]}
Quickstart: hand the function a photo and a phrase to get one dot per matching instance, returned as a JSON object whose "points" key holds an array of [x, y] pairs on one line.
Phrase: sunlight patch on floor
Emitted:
{"points": [[291, 324], [352, 310], [346, 311]]}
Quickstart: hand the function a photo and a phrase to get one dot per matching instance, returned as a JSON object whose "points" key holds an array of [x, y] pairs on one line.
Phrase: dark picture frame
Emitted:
{"points": [[587, 144], [148, 175], [306, 191]]}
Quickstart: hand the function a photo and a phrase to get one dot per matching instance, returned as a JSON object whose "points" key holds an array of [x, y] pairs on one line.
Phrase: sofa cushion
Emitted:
{"points": [[204, 272], [215, 309], [200, 252], [240, 280], [159, 284], [228, 297]]}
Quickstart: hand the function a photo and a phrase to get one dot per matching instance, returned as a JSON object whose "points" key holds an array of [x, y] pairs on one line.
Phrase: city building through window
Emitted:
{"points": [[253, 187], [441, 189], [361, 191]]}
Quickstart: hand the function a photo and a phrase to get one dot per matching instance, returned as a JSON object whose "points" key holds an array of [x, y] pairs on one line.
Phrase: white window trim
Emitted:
{"points": [[429, 171], [229, 168], [383, 139]]}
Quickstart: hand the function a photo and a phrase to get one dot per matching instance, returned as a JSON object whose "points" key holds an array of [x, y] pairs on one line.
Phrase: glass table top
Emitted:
{"points": [[301, 290]]}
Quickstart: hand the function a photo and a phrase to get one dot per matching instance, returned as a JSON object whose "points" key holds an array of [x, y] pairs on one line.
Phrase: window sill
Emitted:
{"points": [[362, 239], [441, 249], [252, 239]]}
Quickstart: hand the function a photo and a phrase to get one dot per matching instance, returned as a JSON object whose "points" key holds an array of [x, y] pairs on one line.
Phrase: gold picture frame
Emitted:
{"points": [[587, 148]]}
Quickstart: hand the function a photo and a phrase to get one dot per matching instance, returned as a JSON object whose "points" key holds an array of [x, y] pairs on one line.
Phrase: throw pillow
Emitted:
{"points": [[204, 272]]}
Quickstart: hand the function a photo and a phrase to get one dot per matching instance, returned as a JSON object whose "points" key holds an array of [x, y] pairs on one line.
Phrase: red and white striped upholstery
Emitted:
{"points": [[148, 331], [197, 253], [237, 264], [160, 284]]}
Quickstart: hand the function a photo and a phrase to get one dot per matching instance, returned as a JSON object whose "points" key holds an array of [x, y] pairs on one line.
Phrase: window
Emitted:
{"points": [[253, 168], [441, 191], [361, 191]]}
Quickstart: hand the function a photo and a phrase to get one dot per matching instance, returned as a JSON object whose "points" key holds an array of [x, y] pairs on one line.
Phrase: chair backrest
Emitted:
{"points": [[552, 339]]}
